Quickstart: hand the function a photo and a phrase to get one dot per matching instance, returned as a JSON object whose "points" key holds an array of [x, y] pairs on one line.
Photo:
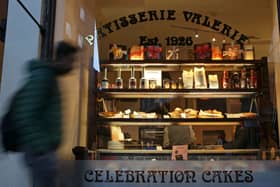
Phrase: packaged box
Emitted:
{"points": [[216, 52], [213, 81], [232, 51], [172, 53], [249, 52], [203, 51], [136, 52], [188, 78], [153, 52], [179, 53], [117, 52], [200, 77]]}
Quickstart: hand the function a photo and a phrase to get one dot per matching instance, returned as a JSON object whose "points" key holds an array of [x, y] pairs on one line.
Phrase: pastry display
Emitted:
{"points": [[241, 115], [186, 113], [177, 113], [116, 145], [108, 114], [128, 114], [143, 115], [210, 114]]}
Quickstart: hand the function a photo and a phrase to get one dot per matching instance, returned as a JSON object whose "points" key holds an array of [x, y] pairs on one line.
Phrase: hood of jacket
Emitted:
{"points": [[58, 69]]}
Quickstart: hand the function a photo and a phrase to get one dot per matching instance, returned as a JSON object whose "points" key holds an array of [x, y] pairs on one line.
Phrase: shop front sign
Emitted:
{"points": [[149, 16], [177, 173]]}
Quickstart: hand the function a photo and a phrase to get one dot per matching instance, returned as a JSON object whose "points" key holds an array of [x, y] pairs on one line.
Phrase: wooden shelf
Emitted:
{"points": [[179, 65], [171, 121], [175, 93]]}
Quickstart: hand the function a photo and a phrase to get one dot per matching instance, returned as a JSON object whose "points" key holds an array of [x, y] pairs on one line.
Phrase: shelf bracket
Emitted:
{"points": [[254, 102]]}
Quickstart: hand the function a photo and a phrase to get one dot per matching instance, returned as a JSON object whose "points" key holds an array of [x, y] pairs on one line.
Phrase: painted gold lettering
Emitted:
{"points": [[89, 39]]}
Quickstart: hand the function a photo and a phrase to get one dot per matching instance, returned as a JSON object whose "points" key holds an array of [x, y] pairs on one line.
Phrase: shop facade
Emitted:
{"points": [[185, 83]]}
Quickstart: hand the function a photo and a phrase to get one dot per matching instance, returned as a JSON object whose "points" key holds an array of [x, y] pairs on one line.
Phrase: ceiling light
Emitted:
{"points": [[214, 39], [196, 35]]}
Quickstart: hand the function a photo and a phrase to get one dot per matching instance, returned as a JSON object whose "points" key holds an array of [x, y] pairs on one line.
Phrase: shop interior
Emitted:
{"points": [[113, 122]]}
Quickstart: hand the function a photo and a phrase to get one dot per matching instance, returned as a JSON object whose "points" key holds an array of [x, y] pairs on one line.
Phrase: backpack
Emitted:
{"points": [[9, 131]]}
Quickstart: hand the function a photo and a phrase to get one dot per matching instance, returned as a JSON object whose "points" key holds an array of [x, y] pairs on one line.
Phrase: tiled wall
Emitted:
{"points": [[75, 19]]}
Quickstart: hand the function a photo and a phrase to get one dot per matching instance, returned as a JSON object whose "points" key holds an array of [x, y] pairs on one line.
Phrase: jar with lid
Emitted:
{"points": [[143, 83], [119, 80], [132, 82], [180, 83], [105, 82], [243, 78], [235, 80], [225, 81]]}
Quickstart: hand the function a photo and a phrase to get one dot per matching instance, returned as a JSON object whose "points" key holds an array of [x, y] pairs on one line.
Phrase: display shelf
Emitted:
{"points": [[190, 151], [178, 65], [175, 93], [193, 154], [172, 121], [123, 98]]}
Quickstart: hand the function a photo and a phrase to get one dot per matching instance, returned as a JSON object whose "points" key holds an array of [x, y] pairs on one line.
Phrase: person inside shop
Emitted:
{"points": [[173, 135], [178, 135]]}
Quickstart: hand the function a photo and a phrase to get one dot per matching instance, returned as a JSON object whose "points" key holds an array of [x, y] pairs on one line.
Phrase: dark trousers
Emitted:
{"points": [[43, 168]]}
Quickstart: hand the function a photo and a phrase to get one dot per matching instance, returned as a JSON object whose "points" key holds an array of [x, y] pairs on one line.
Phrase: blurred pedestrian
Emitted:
{"points": [[37, 114]]}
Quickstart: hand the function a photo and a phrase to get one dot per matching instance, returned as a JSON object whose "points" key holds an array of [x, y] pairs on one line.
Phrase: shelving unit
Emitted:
{"points": [[126, 94]]}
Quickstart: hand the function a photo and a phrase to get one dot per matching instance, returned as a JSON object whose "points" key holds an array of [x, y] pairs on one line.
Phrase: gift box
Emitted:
{"points": [[172, 53], [249, 52], [136, 52], [153, 52], [117, 52], [232, 51], [179, 53], [216, 52], [203, 51]]}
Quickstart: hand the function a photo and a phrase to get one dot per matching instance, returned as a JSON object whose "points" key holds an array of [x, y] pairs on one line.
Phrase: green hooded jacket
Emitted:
{"points": [[37, 112]]}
